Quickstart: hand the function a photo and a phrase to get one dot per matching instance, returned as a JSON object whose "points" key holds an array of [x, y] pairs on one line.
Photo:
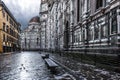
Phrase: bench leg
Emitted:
{"points": [[53, 70]]}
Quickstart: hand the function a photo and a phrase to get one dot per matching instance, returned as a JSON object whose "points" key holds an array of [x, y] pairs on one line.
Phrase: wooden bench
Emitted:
{"points": [[51, 65]]}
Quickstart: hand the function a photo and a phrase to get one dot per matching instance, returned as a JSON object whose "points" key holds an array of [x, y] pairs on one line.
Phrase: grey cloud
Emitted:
{"points": [[23, 11]]}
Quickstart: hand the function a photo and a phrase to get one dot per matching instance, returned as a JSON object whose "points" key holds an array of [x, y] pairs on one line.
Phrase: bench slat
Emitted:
{"points": [[51, 63]]}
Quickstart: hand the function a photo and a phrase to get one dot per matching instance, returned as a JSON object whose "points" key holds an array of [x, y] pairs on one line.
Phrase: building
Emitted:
{"points": [[9, 30], [51, 24], [30, 37], [59, 18], [87, 26], [97, 26], [43, 23]]}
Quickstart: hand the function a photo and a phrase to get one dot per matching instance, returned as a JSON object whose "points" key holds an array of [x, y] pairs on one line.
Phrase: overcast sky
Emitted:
{"points": [[23, 10]]}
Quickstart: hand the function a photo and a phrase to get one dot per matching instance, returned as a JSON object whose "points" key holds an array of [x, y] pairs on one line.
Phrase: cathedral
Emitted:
{"points": [[30, 37]]}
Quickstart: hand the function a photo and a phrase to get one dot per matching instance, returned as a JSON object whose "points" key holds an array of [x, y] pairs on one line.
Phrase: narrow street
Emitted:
{"points": [[59, 39], [31, 66], [28, 66], [23, 66]]}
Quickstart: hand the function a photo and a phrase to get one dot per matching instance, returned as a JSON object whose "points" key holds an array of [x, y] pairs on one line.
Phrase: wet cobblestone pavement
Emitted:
{"points": [[86, 71], [23, 66], [29, 66]]}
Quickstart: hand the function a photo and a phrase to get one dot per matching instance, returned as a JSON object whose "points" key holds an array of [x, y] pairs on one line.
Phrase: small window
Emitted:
{"points": [[96, 30], [7, 29], [3, 37], [3, 26], [90, 31], [3, 12], [99, 3], [78, 7], [7, 17], [114, 22], [104, 31]]}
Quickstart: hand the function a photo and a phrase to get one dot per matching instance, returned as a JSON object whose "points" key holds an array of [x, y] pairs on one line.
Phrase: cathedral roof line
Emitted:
{"points": [[34, 19]]}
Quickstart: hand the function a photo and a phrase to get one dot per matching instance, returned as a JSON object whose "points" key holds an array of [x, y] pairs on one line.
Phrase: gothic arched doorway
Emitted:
{"points": [[66, 36]]}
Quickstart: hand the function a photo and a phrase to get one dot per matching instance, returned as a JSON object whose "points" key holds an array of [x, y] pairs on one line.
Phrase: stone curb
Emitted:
{"points": [[7, 53], [66, 68]]}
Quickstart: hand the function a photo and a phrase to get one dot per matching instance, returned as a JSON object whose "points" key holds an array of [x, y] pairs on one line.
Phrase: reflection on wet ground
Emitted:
{"points": [[31, 66], [23, 66]]}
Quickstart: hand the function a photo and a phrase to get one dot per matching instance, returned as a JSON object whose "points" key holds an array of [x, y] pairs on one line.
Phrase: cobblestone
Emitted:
{"points": [[86, 71]]}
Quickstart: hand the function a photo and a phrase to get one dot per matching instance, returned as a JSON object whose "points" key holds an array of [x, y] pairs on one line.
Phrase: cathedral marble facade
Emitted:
{"points": [[30, 37], [83, 25]]}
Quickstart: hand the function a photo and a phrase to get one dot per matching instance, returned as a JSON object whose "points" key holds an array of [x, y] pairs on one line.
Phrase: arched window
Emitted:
{"points": [[37, 41], [114, 22], [3, 26], [96, 31]]}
